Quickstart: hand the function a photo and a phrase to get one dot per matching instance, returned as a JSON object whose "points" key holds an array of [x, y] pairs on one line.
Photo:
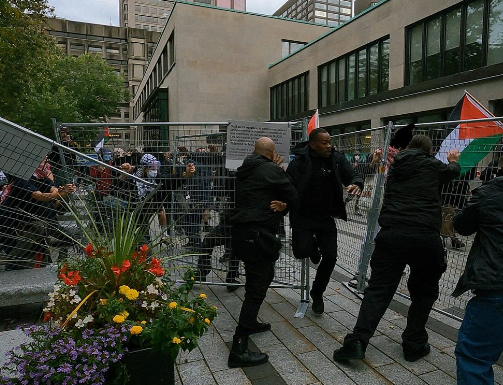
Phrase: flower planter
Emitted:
{"points": [[145, 366]]}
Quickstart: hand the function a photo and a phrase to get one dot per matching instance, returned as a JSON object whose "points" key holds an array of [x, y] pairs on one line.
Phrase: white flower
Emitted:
{"points": [[72, 293], [144, 304], [164, 297], [152, 290], [154, 305], [88, 318], [80, 324]]}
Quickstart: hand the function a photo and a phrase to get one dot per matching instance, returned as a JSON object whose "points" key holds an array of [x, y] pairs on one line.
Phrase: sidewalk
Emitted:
{"points": [[300, 349]]}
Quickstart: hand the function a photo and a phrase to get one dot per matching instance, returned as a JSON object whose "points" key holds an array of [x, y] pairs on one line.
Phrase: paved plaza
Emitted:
{"points": [[301, 349]]}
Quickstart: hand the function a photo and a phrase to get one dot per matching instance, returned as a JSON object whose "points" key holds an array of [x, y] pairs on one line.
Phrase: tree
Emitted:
{"points": [[39, 82]]}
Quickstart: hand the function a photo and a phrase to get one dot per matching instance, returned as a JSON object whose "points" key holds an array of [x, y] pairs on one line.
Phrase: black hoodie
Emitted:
{"points": [[258, 182], [412, 195]]}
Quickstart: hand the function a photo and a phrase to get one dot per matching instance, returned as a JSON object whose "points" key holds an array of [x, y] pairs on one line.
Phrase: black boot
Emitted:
{"points": [[240, 356], [350, 351]]}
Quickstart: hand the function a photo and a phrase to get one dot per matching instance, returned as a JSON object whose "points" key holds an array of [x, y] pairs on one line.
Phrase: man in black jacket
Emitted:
{"points": [[480, 339], [318, 173], [410, 221], [263, 193]]}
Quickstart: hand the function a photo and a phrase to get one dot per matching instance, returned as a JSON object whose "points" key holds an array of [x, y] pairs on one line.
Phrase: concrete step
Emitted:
{"points": [[20, 287]]}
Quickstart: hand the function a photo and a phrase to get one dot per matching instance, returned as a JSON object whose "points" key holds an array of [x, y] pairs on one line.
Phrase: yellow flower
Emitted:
{"points": [[172, 305], [125, 314], [103, 301], [191, 278], [136, 330], [207, 321], [132, 294], [191, 320], [143, 322], [124, 289], [118, 319], [176, 340], [202, 295]]}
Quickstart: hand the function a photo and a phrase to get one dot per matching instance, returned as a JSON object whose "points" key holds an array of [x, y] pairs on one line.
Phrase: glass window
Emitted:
{"points": [[416, 54], [345, 11], [290, 99], [323, 85], [303, 99], [344, 17], [452, 42], [362, 73], [321, 6], [320, 21], [433, 28], [332, 83], [285, 48], [351, 76], [374, 69], [341, 79], [333, 8], [295, 96], [320, 13], [495, 35], [346, 3], [283, 100], [473, 36], [384, 65]]}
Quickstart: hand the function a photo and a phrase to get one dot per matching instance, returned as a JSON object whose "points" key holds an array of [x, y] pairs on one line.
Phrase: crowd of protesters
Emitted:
{"points": [[425, 202]]}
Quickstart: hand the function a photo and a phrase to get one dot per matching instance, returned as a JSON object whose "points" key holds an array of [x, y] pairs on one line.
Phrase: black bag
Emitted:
{"points": [[269, 244]]}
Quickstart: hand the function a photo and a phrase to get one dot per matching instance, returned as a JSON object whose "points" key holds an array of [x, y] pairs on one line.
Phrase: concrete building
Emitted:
{"points": [[151, 15], [402, 60], [362, 5], [126, 50], [329, 12], [211, 64]]}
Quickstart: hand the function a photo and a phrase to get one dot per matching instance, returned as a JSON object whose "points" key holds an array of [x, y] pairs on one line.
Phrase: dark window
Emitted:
{"points": [[351, 76], [290, 97], [374, 69], [341, 80], [462, 38], [362, 73]]}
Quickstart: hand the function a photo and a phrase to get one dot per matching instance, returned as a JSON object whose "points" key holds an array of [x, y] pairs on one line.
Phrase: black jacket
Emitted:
{"points": [[412, 195], [483, 214], [300, 170], [258, 182]]}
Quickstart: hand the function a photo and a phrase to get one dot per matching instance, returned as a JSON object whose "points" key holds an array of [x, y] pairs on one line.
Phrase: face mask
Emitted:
{"points": [[107, 158], [152, 173]]}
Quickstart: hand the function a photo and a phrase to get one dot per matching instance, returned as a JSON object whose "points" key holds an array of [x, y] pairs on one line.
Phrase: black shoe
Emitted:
{"points": [[240, 356], [260, 327], [231, 288], [350, 351], [415, 355], [318, 306], [315, 258]]}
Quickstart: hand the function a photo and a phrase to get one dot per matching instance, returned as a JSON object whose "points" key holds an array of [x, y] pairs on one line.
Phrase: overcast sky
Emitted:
{"points": [[107, 11]]}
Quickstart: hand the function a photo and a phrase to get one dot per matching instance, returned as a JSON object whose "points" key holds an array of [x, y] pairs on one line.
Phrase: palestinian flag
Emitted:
{"points": [[100, 139], [314, 123], [473, 140]]}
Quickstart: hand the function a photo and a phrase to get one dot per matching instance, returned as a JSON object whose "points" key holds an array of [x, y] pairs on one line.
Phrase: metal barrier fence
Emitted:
{"points": [[112, 167], [480, 143]]}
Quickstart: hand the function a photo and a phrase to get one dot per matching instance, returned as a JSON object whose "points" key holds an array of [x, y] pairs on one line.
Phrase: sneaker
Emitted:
{"points": [[415, 355], [350, 351], [318, 306]]}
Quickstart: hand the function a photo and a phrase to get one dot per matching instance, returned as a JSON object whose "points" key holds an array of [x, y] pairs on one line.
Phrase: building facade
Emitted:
{"points": [[151, 15], [362, 5], [401, 60], [211, 64], [126, 50], [329, 12]]}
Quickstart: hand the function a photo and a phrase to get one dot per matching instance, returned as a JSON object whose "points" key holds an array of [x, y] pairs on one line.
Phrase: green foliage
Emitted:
{"points": [[39, 82]]}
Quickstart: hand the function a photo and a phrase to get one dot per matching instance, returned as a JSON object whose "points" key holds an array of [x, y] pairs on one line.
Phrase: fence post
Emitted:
{"points": [[373, 215]]}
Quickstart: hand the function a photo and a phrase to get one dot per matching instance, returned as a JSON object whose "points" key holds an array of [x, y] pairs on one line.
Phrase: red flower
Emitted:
{"points": [[116, 270], [125, 265], [140, 257], [156, 267], [89, 250], [144, 248], [72, 278], [47, 316]]}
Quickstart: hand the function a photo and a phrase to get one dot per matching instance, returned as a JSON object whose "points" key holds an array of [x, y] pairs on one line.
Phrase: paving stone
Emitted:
{"points": [[374, 357], [196, 373], [346, 304], [442, 360], [397, 374], [231, 377], [288, 366], [361, 373], [331, 303], [390, 330], [274, 297], [323, 341], [346, 319], [439, 341], [324, 369], [214, 350], [291, 337], [329, 323], [268, 314], [287, 311], [394, 350], [224, 321], [263, 340], [437, 377], [185, 357]]}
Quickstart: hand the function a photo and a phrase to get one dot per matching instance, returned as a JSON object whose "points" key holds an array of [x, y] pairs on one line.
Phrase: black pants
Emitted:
{"points": [[316, 235], [259, 269], [423, 252]]}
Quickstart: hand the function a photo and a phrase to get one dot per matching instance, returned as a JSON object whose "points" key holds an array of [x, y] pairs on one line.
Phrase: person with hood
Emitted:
{"points": [[480, 338], [263, 194], [319, 173], [410, 221]]}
